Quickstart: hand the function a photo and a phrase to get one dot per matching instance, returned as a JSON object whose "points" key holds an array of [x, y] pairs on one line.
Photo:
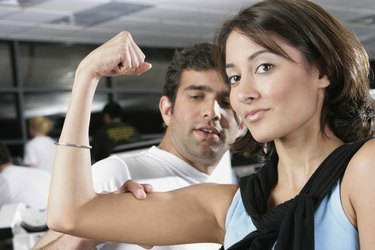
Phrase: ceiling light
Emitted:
{"points": [[102, 13], [20, 3]]}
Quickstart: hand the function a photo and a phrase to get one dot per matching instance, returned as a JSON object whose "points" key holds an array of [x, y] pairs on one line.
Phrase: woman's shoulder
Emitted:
{"points": [[358, 184], [362, 162]]}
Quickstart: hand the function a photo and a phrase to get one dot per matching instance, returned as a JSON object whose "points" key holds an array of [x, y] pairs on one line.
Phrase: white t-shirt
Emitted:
{"points": [[40, 151], [165, 171], [4, 191], [24, 185]]}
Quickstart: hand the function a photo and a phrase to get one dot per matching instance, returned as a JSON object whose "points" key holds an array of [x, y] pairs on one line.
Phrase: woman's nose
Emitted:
{"points": [[246, 91]]}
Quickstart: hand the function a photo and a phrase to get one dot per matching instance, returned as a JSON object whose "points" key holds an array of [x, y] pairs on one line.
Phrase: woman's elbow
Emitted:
{"points": [[61, 222]]}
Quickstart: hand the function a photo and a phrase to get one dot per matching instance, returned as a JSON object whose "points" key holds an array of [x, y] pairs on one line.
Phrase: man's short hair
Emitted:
{"points": [[199, 56]]}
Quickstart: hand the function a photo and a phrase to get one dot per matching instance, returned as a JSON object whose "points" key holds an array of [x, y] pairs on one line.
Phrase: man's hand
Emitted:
{"points": [[139, 191]]}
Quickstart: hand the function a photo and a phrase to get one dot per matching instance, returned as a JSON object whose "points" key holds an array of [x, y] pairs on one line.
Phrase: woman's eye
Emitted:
{"points": [[233, 79], [263, 68]]}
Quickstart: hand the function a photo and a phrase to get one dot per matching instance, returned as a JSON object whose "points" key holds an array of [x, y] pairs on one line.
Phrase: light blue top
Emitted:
{"points": [[333, 229]]}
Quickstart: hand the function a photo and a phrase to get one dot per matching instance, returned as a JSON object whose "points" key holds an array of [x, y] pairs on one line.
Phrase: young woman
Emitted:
{"points": [[299, 82]]}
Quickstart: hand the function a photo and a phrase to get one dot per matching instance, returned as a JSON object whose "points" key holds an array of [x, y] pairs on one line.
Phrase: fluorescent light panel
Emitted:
{"points": [[102, 13]]}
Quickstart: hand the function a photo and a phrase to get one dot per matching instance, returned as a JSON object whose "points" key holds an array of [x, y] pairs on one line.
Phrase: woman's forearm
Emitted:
{"points": [[71, 184]]}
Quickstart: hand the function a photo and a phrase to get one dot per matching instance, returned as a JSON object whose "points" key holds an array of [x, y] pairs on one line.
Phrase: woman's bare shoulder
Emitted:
{"points": [[362, 163], [358, 185]]}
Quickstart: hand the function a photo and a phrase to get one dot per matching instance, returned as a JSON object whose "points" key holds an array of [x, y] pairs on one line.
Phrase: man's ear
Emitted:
{"points": [[165, 107]]}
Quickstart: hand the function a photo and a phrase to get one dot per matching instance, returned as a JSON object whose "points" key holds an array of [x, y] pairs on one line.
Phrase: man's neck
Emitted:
{"points": [[206, 168]]}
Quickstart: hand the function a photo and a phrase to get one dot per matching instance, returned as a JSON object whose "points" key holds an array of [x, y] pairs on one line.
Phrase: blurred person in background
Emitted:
{"points": [[20, 184], [40, 150], [114, 133]]}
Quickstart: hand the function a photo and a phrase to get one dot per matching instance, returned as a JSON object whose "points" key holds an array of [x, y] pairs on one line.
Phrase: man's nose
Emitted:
{"points": [[212, 110]]}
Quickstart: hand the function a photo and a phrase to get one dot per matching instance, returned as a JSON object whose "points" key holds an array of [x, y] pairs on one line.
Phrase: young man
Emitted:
{"points": [[200, 125]]}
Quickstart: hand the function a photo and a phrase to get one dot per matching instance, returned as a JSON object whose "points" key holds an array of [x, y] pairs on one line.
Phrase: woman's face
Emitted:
{"points": [[275, 97]]}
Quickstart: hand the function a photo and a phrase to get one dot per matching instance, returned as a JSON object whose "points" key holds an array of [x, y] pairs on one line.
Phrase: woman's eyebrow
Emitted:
{"points": [[250, 58]]}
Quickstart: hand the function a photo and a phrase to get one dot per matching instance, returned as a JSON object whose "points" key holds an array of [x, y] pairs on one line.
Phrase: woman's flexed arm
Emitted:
{"points": [[71, 184]]}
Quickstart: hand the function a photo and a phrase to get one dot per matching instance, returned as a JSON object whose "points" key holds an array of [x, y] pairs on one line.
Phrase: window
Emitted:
{"points": [[44, 77], [5, 65]]}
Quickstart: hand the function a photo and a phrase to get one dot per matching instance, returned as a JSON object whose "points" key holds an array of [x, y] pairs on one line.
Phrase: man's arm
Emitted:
{"points": [[54, 240]]}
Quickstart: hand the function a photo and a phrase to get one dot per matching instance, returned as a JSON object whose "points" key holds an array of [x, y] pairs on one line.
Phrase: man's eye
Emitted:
{"points": [[263, 68], [196, 97]]}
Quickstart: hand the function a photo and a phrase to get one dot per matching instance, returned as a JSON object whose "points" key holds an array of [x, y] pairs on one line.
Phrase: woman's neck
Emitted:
{"points": [[299, 159]]}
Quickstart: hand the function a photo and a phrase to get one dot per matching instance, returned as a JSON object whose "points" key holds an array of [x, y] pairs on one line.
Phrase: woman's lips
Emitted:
{"points": [[255, 114]]}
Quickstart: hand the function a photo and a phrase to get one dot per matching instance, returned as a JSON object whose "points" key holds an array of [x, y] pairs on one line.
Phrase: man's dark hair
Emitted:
{"points": [[113, 109], [199, 56]]}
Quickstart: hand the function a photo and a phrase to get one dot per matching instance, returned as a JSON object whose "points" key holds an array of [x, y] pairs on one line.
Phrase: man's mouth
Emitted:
{"points": [[208, 132]]}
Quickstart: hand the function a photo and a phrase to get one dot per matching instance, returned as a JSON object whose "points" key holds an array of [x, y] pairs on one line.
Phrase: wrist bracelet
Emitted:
{"points": [[72, 145]]}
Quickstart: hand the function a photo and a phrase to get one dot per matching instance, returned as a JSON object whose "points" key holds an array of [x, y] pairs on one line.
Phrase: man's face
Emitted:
{"points": [[201, 124]]}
